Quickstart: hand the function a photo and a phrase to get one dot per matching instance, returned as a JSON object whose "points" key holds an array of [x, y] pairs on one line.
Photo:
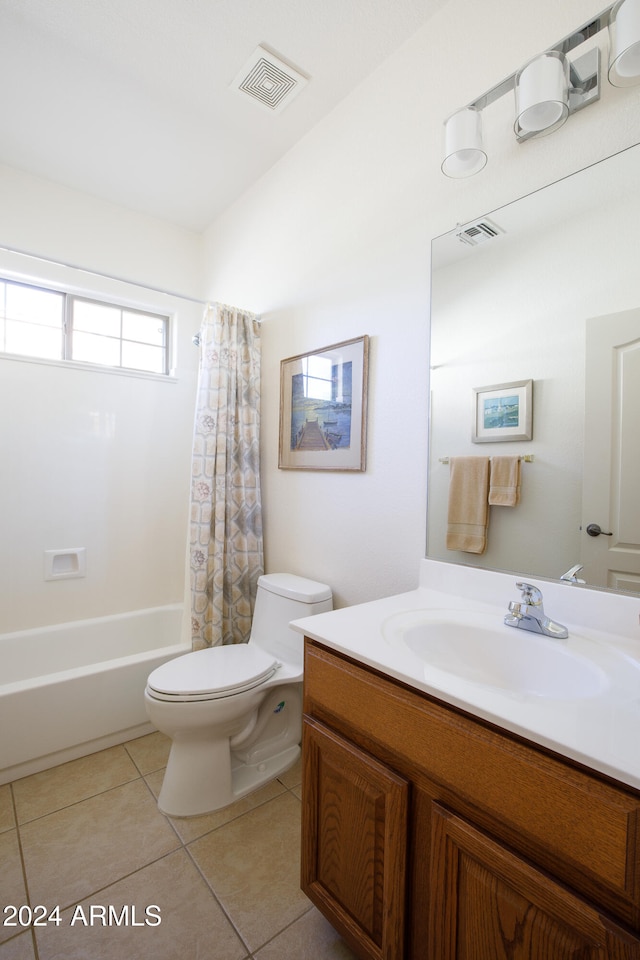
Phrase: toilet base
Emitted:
{"points": [[247, 777], [258, 741], [196, 783]]}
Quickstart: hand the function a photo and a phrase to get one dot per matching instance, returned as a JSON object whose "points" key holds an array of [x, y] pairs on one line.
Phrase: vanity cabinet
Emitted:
{"points": [[430, 834]]}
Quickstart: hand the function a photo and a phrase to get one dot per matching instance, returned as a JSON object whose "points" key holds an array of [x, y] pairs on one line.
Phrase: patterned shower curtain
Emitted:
{"points": [[226, 512]]}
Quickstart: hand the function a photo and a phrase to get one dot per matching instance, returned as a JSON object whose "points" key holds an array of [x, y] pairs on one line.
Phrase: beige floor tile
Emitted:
{"points": [[7, 819], [149, 753], [154, 781], [12, 888], [75, 851], [43, 793], [309, 938], [20, 948], [190, 828], [192, 923], [253, 864], [293, 776]]}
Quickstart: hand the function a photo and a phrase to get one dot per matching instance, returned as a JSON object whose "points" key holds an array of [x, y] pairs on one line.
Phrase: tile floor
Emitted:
{"points": [[88, 835]]}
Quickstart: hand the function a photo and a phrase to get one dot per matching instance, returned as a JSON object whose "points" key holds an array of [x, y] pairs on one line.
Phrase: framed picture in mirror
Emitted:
{"points": [[503, 411]]}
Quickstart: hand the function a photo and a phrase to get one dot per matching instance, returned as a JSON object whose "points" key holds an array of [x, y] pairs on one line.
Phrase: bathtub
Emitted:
{"points": [[74, 688]]}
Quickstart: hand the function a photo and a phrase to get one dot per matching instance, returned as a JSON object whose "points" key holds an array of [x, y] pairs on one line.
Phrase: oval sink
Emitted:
{"points": [[473, 647]]}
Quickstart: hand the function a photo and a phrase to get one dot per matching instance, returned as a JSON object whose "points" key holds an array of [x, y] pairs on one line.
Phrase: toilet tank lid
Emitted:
{"points": [[294, 587]]}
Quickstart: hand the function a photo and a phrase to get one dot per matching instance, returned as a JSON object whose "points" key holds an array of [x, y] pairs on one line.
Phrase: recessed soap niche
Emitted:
{"points": [[64, 564]]}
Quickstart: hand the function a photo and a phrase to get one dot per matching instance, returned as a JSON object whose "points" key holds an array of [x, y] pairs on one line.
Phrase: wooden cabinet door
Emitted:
{"points": [[488, 904], [354, 842]]}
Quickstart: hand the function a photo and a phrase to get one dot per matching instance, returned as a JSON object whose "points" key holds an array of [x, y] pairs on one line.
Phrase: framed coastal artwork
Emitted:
{"points": [[323, 408], [503, 411]]}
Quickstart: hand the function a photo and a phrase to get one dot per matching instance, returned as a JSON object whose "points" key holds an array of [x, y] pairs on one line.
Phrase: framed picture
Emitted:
{"points": [[503, 412], [323, 408]]}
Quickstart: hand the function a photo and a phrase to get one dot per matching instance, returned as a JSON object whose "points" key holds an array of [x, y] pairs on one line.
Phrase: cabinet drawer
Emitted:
{"points": [[577, 825]]}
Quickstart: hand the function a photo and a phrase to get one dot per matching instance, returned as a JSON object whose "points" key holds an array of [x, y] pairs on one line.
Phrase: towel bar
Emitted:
{"points": [[526, 458]]}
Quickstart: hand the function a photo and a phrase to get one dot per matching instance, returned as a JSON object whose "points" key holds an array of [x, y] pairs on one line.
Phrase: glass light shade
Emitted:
{"points": [[464, 154], [624, 44], [542, 95]]}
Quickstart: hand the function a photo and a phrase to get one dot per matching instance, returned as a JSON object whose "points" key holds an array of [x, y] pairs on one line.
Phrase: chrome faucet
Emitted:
{"points": [[528, 614]]}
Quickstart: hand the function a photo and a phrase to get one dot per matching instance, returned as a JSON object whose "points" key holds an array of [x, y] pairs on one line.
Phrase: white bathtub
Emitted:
{"points": [[73, 688]]}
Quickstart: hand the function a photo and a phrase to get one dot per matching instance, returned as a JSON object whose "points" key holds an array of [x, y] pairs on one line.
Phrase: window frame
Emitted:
{"points": [[69, 299]]}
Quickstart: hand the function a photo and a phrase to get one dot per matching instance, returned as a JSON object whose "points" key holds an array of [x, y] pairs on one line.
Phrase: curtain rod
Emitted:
{"points": [[104, 276]]}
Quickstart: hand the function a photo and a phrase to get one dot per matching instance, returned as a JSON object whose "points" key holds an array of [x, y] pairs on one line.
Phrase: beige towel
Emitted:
{"points": [[468, 504], [504, 487]]}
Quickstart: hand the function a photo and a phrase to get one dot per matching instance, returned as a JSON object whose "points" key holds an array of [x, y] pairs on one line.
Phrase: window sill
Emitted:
{"points": [[92, 367]]}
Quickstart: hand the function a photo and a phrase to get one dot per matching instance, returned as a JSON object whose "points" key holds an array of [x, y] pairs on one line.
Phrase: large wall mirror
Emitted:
{"points": [[547, 289]]}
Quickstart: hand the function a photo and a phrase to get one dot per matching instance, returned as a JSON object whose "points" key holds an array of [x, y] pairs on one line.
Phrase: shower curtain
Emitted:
{"points": [[226, 512]]}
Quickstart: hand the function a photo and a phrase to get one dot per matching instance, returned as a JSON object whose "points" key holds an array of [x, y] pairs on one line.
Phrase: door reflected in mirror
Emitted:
{"points": [[547, 288]]}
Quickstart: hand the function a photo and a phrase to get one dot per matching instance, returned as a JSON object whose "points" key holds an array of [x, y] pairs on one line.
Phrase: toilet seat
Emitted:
{"points": [[212, 673]]}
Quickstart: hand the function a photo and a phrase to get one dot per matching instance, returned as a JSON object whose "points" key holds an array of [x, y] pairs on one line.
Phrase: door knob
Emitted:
{"points": [[594, 530]]}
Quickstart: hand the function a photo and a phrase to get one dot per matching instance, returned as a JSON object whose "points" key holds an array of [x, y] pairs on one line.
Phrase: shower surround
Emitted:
{"points": [[95, 472]]}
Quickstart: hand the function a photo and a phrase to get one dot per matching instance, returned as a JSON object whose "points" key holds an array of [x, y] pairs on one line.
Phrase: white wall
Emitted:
{"points": [[334, 242], [44, 218], [94, 459]]}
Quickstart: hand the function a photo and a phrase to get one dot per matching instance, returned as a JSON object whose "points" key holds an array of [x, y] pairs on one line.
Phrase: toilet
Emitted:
{"points": [[234, 712]]}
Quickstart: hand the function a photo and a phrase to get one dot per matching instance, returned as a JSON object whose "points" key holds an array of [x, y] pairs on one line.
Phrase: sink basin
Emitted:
{"points": [[478, 647]]}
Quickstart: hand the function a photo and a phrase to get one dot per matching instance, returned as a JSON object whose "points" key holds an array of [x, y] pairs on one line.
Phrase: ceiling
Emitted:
{"points": [[130, 100]]}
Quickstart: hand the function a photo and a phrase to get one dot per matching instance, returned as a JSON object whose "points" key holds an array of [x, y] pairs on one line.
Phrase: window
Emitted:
{"points": [[116, 336], [36, 322]]}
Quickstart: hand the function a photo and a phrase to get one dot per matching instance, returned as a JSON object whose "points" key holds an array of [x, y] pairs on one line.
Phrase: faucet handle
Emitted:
{"points": [[531, 595], [572, 574]]}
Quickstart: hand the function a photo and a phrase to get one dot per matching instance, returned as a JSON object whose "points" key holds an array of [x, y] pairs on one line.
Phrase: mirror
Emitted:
{"points": [[547, 289]]}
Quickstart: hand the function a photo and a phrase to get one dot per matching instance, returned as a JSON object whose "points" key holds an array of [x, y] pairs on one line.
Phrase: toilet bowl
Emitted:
{"points": [[234, 712]]}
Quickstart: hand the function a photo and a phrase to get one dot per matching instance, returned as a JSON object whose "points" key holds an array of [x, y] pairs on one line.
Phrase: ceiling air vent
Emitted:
{"points": [[269, 81], [480, 232]]}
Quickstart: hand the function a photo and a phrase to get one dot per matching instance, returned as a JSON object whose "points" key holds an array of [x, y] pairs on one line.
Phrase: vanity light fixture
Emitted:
{"points": [[542, 95], [550, 87], [624, 43], [464, 155]]}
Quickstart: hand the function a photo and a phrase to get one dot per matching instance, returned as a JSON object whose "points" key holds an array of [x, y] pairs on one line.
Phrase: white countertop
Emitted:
{"points": [[602, 732]]}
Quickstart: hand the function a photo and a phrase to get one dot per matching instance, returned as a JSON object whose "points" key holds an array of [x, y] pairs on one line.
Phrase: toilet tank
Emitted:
{"points": [[280, 598]]}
